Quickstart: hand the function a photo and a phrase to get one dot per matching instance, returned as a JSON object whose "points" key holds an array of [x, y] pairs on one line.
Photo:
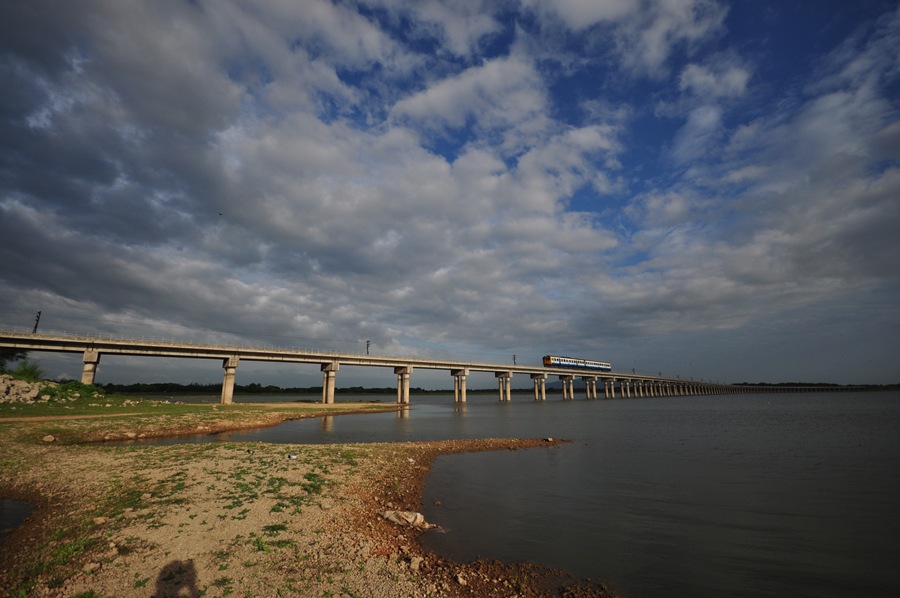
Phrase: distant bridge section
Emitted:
{"points": [[613, 383]]}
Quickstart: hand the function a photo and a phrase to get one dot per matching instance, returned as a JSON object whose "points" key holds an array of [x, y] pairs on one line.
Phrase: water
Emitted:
{"points": [[12, 514], [747, 495]]}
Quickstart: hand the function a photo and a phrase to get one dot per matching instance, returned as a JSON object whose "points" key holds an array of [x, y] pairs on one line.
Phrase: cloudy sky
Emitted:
{"points": [[701, 188]]}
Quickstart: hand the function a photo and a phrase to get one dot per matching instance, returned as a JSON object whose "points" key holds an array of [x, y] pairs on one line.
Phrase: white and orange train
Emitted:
{"points": [[580, 364]]}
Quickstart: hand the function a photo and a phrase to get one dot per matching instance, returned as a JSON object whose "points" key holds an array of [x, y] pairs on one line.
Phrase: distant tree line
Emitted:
{"points": [[821, 384], [8, 356]]}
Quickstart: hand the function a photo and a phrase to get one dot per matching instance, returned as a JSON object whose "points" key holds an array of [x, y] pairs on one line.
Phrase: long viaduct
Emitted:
{"points": [[626, 385]]}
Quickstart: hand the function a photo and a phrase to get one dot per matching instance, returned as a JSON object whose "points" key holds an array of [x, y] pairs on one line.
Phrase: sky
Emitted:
{"points": [[708, 189]]}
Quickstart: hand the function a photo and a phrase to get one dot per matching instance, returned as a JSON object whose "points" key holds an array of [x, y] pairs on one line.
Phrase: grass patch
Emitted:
{"points": [[315, 483], [274, 529]]}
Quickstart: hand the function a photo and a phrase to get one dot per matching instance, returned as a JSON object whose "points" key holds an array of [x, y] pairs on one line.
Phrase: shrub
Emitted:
{"points": [[28, 370], [71, 390]]}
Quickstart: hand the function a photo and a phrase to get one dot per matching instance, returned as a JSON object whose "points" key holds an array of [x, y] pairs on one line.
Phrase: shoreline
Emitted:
{"points": [[314, 520]]}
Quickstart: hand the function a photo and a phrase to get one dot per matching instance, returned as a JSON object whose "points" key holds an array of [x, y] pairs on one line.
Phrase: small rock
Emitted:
{"points": [[131, 434], [90, 567], [146, 496], [460, 579], [100, 520], [49, 438], [415, 563]]}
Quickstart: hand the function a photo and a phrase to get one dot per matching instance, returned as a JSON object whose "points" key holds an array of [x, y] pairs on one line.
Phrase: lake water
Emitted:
{"points": [[12, 514], [745, 495]]}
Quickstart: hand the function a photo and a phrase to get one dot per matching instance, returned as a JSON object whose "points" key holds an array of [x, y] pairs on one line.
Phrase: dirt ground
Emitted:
{"points": [[236, 519]]}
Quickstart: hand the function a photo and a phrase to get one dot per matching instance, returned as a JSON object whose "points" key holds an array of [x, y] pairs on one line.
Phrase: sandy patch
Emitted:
{"points": [[243, 519]]}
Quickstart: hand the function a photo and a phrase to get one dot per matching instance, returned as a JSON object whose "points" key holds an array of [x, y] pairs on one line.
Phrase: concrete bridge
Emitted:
{"points": [[613, 384]]}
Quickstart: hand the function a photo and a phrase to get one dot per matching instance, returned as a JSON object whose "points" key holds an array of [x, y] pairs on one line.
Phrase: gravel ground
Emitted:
{"points": [[243, 519]]}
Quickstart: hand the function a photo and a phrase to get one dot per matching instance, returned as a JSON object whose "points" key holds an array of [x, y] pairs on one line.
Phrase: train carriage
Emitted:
{"points": [[557, 361]]}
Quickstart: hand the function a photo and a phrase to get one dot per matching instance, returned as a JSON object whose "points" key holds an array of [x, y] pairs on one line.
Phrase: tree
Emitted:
{"points": [[10, 355]]}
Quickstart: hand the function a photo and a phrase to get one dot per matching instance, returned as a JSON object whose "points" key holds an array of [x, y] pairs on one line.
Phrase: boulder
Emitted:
{"points": [[408, 519]]}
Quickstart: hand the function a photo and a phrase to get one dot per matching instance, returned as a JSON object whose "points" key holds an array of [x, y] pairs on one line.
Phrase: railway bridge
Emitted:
{"points": [[613, 384]]}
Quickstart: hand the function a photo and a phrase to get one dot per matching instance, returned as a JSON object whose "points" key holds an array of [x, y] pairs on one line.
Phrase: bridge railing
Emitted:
{"points": [[164, 342]]}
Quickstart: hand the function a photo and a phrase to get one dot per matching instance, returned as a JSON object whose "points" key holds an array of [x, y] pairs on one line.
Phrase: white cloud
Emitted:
{"points": [[725, 81], [644, 34], [646, 42], [462, 24], [583, 14], [699, 135], [661, 209], [499, 94]]}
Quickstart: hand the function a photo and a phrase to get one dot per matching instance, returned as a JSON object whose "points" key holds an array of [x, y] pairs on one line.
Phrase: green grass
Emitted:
{"points": [[64, 402], [274, 529], [316, 483], [86, 404], [124, 415]]}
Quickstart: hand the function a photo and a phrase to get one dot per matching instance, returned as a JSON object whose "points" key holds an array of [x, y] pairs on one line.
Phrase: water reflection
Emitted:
{"points": [[12, 514]]}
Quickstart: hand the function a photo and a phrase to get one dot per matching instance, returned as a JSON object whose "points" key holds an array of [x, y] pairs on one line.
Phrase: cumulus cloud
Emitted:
{"points": [[499, 94], [714, 81], [480, 176]]}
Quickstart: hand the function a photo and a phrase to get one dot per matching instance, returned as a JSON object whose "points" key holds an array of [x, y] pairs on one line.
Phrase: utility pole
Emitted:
{"points": [[367, 346], [37, 321], [514, 360]]}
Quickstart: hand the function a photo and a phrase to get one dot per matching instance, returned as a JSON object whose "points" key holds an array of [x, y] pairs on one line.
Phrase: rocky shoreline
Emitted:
{"points": [[238, 519]]}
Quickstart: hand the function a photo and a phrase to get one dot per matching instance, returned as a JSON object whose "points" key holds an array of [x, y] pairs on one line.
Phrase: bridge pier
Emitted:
{"points": [[459, 385], [229, 364], [403, 373], [91, 361], [504, 380], [328, 373], [540, 386], [568, 386]]}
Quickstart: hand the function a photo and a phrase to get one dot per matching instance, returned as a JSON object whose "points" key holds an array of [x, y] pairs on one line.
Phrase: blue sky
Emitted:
{"points": [[697, 188]]}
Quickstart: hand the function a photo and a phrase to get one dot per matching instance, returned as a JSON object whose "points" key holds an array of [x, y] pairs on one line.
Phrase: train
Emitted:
{"points": [[580, 364]]}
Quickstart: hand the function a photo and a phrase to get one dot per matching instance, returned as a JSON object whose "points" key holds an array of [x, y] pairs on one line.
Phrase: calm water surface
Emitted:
{"points": [[12, 514], [750, 495]]}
